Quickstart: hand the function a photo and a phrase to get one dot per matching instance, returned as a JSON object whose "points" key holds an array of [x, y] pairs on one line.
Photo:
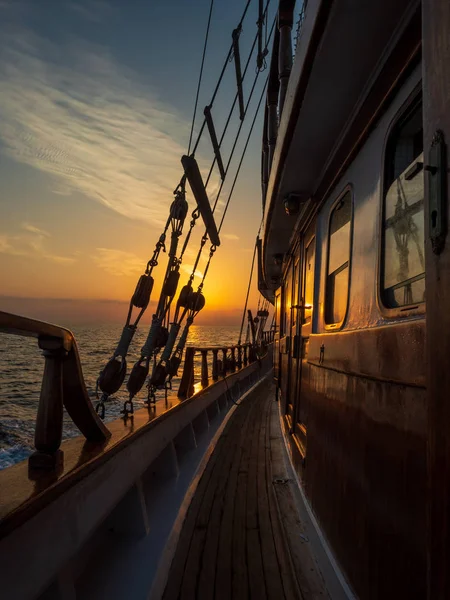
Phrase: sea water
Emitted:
{"points": [[21, 369]]}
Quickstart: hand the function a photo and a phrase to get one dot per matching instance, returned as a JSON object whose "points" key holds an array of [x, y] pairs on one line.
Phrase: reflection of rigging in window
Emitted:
{"points": [[404, 228]]}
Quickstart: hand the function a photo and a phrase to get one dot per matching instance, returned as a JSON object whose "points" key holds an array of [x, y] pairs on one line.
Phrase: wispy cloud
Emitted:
{"points": [[34, 229], [118, 262], [74, 113], [91, 10], [5, 245], [229, 236], [188, 269], [32, 242]]}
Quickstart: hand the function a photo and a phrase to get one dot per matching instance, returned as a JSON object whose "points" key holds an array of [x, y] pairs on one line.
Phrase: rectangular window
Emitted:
{"points": [[336, 293], [403, 265], [310, 255]]}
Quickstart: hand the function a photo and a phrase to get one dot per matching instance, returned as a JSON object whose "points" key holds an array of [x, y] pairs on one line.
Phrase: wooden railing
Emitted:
{"points": [[268, 336], [62, 385], [223, 360]]}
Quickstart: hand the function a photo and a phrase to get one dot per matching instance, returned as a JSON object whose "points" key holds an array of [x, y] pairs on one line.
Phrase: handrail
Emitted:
{"points": [[63, 382], [225, 360], [62, 385], [23, 326]]}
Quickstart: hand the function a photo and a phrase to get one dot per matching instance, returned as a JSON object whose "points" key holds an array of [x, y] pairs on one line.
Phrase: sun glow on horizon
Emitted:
{"points": [[91, 143]]}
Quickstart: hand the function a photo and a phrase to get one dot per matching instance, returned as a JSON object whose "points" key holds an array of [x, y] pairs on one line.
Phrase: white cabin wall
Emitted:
{"points": [[365, 177]]}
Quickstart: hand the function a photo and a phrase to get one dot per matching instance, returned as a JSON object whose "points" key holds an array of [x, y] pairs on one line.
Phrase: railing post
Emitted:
{"points": [[224, 361], [49, 420], [233, 359], [205, 377], [215, 365], [186, 388], [245, 355], [239, 357]]}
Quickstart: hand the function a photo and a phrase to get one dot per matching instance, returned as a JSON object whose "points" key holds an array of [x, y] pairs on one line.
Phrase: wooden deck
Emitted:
{"points": [[232, 543]]}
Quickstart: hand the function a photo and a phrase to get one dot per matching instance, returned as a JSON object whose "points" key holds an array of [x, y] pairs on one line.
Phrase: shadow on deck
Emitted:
{"points": [[233, 542]]}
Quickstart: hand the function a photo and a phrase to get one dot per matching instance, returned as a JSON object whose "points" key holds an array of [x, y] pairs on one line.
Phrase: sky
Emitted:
{"points": [[96, 103]]}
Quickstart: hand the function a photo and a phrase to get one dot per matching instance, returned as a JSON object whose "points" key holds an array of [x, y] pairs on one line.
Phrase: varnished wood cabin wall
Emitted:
{"points": [[363, 391]]}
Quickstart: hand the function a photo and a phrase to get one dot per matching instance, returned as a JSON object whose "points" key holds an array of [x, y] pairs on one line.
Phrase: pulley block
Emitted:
{"points": [[137, 377], [141, 296], [173, 365], [161, 337], [179, 208], [197, 301], [112, 375], [263, 313], [171, 283], [184, 297], [158, 377]]}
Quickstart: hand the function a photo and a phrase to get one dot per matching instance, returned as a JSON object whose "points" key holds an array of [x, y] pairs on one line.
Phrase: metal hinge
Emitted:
{"points": [[437, 192]]}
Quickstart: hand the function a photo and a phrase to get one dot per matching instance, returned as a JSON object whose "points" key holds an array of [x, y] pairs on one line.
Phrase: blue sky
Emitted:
{"points": [[95, 109]]}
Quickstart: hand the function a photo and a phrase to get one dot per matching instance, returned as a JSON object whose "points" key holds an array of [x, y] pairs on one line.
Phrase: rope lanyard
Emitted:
{"points": [[172, 363], [189, 302], [248, 293], [180, 347], [227, 122], [200, 75], [113, 374]]}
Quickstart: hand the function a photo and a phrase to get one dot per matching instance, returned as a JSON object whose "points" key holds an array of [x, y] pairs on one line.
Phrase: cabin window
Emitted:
{"points": [[336, 294], [403, 265], [310, 256]]}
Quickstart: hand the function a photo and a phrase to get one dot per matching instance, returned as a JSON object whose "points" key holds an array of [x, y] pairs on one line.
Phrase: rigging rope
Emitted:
{"points": [[241, 160], [200, 75], [204, 238], [248, 293], [172, 363], [113, 374], [227, 122], [227, 60]]}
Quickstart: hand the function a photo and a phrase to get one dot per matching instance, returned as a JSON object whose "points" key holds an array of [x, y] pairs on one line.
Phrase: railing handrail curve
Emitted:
{"points": [[24, 326], [62, 385]]}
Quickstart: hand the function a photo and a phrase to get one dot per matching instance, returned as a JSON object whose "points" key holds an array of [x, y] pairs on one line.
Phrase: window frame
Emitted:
{"points": [[417, 308], [338, 326]]}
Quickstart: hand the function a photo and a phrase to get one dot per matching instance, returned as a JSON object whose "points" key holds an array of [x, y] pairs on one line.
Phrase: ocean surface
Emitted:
{"points": [[21, 368]]}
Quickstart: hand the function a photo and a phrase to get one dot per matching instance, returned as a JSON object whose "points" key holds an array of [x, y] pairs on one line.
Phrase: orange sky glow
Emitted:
{"points": [[91, 137]]}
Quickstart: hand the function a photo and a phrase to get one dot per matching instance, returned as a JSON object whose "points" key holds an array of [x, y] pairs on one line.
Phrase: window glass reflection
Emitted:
{"points": [[403, 258], [309, 280], [338, 261]]}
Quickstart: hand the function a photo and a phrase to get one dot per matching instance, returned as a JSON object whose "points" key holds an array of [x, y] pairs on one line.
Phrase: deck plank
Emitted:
{"points": [[287, 575], [223, 472], [254, 558], [272, 574], [224, 555], [186, 564], [230, 545], [239, 558], [172, 590]]}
